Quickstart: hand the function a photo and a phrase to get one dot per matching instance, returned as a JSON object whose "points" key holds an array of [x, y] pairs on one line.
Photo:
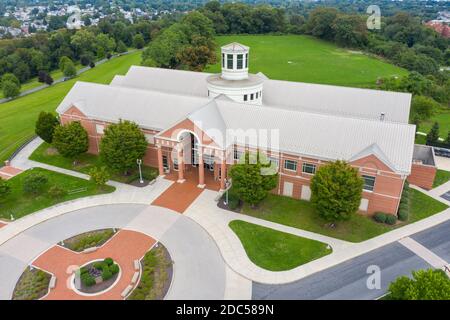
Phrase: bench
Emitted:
{"points": [[91, 249], [126, 291], [136, 265], [135, 277], [52, 282]]}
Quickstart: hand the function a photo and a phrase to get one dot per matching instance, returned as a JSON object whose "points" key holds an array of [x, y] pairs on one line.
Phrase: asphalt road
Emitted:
{"points": [[348, 279]]}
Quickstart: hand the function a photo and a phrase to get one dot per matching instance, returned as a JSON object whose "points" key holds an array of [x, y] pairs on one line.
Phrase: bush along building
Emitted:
{"points": [[198, 124]]}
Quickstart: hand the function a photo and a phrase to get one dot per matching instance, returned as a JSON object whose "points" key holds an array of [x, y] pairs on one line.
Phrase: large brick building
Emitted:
{"points": [[198, 124]]}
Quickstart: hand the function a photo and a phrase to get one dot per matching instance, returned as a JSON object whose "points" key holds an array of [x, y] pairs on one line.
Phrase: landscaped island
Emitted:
{"points": [[274, 250], [97, 276], [33, 284]]}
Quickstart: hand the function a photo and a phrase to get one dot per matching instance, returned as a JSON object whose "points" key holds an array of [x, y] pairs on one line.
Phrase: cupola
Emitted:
{"points": [[235, 61]]}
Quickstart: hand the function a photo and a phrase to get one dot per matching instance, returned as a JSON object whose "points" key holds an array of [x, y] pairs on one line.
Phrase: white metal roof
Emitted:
{"points": [[150, 109], [344, 101], [339, 123]]}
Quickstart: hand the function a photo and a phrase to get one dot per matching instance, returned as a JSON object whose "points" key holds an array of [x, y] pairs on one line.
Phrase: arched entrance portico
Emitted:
{"points": [[185, 159]]}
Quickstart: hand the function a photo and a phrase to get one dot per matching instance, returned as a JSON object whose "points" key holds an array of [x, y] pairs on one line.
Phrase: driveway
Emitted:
{"points": [[199, 270]]}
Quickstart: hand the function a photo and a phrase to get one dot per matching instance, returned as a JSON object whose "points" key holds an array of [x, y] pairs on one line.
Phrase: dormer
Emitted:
{"points": [[235, 61]]}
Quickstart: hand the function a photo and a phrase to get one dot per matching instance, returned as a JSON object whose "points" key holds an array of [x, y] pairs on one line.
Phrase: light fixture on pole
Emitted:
{"points": [[139, 163]]}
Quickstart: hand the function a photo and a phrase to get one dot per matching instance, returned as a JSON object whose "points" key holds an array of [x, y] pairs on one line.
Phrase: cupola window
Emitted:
{"points": [[239, 61], [229, 61]]}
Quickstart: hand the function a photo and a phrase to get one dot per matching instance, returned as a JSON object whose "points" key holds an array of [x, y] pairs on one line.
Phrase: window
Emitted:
{"points": [[150, 138], [223, 60], [237, 154], [99, 128], [251, 96], [257, 95], [165, 162], [239, 62], [369, 183], [309, 168], [275, 161], [175, 164], [246, 60], [245, 97], [229, 61], [290, 165]]}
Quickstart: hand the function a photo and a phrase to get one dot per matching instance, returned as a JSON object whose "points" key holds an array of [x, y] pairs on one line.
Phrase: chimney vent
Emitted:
{"points": [[382, 116]]}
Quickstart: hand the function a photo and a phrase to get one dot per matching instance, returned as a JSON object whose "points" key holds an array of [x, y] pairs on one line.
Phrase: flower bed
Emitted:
{"points": [[97, 276]]}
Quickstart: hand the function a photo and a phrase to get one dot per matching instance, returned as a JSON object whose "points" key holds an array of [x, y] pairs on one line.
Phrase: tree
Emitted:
{"points": [[433, 135], [350, 31], [35, 183], [423, 107], [138, 41], [336, 190], [45, 126], [122, 144], [197, 55], [71, 139], [99, 176], [10, 89], [42, 75], [5, 189], [69, 69], [425, 285], [253, 177], [320, 23], [121, 47], [63, 61], [49, 80]]}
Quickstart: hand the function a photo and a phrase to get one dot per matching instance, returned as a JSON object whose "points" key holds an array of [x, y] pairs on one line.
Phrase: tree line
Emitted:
{"points": [[27, 58]]}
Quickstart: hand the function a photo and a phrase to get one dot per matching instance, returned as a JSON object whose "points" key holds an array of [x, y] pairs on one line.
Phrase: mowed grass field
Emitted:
{"points": [[307, 59], [17, 117]]}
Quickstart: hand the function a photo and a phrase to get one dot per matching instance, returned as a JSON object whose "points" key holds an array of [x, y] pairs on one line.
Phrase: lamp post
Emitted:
{"points": [[227, 187], [139, 162]]}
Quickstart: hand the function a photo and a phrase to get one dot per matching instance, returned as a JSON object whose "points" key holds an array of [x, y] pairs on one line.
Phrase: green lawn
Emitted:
{"points": [[301, 214], [17, 117], [442, 176], [19, 204], [33, 83], [274, 250], [307, 59], [441, 116], [423, 206], [420, 139], [85, 162]]}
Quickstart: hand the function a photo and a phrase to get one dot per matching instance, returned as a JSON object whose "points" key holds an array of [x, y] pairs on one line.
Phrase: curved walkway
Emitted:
{"points": [[199, 270], [215, 220]]}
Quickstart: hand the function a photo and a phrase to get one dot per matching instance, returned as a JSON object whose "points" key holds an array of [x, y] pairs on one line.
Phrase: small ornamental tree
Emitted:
{"points": [[69, 69], [253, 177], [45, 126], [336, 190], [5, 189], [70, 140], [34, 183], [433, 135], [122, 144], [42, 75], [425, 285], [121, 47], [99, 176], [49, 80], [10, 89]]}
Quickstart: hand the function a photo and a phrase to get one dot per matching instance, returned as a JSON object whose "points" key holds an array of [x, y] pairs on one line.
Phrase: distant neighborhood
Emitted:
{"points": [[24, 21]]}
